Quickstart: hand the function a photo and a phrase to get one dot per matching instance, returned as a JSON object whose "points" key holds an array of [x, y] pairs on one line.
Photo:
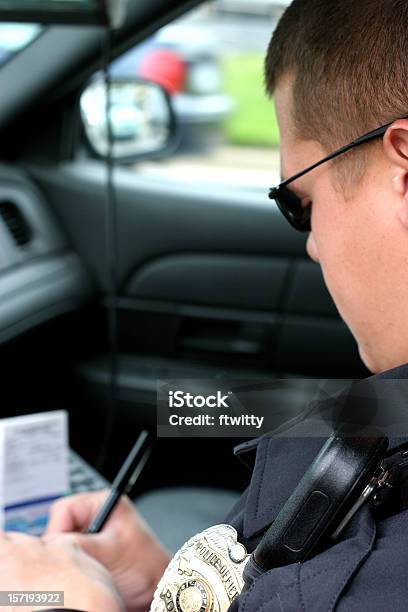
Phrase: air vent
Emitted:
{"points": [[15, 222]]}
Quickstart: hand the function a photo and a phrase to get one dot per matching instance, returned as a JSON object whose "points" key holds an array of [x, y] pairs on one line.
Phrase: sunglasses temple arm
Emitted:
{"points": [[372, 135], [366, 138], [317, 164]]}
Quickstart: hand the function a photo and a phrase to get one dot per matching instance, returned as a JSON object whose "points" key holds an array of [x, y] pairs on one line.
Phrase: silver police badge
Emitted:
{"points": [[205, 575]]}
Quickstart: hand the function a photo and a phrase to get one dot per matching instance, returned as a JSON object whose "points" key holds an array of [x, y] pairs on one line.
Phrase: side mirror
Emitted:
{"points": [[141, 117]]}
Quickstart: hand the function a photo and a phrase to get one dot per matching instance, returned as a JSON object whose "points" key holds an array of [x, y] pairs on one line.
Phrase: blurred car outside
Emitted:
{"points": [[183, 59]]}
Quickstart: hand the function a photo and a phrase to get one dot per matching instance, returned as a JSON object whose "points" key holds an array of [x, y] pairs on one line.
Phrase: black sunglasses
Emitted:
{"points": [[290, 204]]}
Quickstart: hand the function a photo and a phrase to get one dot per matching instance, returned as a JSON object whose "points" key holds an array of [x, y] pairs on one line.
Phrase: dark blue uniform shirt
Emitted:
{"points": [[367, 569]]}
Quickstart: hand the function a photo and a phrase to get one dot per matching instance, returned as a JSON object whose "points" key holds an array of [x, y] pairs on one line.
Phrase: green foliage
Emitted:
{"points": [[253, 120]]}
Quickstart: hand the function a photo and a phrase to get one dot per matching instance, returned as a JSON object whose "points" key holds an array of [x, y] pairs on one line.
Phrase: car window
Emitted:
{"points": [[211, 64], [14, 37]]}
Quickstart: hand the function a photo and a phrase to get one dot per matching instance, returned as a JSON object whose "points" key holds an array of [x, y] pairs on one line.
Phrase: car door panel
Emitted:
{"points": [[157, 218], [211, 275], [216, 279]]}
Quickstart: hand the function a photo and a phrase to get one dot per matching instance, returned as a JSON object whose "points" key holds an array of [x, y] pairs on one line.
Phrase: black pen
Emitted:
{"points": [[124, 481]]}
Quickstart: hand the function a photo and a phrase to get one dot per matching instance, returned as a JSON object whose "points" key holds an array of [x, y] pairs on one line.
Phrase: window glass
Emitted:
{"points": [[14, 37], [211, 63]]}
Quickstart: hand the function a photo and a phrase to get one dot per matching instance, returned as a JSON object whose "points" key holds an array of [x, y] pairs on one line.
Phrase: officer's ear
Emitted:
{"points": [[396, 149]]}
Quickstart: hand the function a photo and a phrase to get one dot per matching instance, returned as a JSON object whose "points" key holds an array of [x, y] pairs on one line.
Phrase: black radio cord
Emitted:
{"points": [[111, 246]]}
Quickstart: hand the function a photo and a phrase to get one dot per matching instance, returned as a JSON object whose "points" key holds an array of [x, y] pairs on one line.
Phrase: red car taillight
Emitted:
{"points": [[165, 68]]}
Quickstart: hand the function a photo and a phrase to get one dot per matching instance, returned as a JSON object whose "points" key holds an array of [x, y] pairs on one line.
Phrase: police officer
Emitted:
{"points": [[338, 70]]}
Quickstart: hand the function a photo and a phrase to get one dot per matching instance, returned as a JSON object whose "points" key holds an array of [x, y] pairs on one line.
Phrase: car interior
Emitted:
{"points": [[211, 281]]}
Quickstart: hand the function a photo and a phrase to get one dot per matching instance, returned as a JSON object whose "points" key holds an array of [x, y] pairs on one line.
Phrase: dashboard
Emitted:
{"points": [[40, 276]]}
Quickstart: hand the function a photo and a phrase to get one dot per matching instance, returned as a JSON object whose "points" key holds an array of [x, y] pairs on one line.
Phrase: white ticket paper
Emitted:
{"points": [[33, 466]]}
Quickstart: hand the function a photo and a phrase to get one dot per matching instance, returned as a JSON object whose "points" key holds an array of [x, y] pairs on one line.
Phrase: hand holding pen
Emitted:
{"points": [[125, 546]]}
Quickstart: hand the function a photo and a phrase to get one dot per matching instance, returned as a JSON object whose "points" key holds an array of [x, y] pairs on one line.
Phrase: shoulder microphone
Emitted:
{"points": [[343, 475]]}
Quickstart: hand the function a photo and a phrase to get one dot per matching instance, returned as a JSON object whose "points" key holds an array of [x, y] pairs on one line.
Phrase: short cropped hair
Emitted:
{"points": [[349, 62]]}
